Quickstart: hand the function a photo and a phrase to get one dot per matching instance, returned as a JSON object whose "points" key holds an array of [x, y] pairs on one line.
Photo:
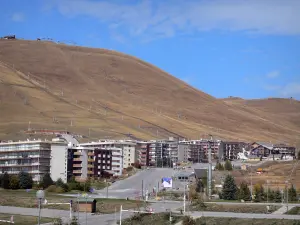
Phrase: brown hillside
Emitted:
{"points": [[113, 94]]}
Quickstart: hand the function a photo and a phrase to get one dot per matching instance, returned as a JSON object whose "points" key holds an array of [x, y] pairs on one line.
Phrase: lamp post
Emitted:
{"points": [[267, 191], [251, 184], [40, 195], [287, 194]]}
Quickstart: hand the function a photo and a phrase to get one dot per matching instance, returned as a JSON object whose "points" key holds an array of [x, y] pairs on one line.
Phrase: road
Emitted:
{"points": [[132, 186]]}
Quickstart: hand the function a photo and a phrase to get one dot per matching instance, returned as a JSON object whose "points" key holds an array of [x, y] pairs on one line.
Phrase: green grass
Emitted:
{"points": [[294, 211], [21, 198], [151, 219], [163, 219], [237, 221], [23, 220], [111, 205], [240, 208]]}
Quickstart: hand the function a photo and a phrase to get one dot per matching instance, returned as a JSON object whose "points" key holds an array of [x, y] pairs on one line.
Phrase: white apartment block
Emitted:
{"points": [[28, 156], [59, 160], [60, 165]]}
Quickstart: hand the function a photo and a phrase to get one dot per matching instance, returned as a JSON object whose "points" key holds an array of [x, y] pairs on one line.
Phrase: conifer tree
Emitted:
{"points": [[244, 192], [228, 165], [229, 191], [25, 180]]}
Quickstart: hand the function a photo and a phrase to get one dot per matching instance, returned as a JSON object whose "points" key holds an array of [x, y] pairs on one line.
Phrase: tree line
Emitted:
{"points": [[24, 180], [231, 191]]}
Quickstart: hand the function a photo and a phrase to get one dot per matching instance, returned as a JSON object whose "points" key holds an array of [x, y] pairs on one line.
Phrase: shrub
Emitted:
{"points": [[137, 165], [187, 220], [59, 190], [36, 186], [5, 181], [74, 186], [244, 192], [74, 221], [46, 181], [58, 221], [292, 193], [14, 182], [228, 165], [51, 188], [129, 169], [259, 193], [61, 184]]}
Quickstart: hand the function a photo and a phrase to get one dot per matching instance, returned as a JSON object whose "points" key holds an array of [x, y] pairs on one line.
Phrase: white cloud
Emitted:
{"points": [[291, 90], [18, 17], [285, 90], [170, 17], [273, 74]]}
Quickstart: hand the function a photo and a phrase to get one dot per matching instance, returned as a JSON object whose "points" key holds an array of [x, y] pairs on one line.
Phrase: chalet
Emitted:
{"points": [[261, 149], [283, 149]]}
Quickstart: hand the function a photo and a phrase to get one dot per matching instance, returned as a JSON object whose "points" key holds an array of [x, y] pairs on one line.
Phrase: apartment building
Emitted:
{"points": [[163, 153], [103, 163], [143, 153], [198, 149], [29, 156], [230, 149], [183, 152], [123, 153], [59, 159], [80, 163]]}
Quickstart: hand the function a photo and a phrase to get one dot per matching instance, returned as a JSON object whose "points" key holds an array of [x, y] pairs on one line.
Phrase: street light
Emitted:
{"points": [[287, 194], [268, 191], [40, 195]]}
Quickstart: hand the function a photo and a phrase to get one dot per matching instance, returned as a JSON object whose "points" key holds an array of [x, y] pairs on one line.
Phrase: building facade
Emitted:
{"points": [[28, 156], [143, 153], [283, 149], [59, 160], [123, 153], [183, 152], [229, 149], [163, 153], [80, 163]]}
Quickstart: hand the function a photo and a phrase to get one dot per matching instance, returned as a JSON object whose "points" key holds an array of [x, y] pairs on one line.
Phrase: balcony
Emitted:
{"points": [[90, 160], [90, 166], [76, 171], [77, 153], [90, 172], [76, 165], [77, 159], [91, 154]]}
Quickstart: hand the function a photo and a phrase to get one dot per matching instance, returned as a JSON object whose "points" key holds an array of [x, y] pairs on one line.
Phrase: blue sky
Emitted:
{"points": [[249, 49]]}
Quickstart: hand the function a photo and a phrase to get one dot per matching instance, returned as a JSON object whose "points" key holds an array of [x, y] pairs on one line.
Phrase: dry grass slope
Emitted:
{"points": [[114, 94]]}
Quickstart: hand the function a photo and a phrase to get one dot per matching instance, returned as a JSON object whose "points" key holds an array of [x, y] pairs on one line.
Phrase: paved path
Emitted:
{"points": [[283, 209]]}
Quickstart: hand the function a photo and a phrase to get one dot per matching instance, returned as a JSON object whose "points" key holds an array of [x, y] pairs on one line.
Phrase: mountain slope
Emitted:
{"points": [[110, 94]]}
